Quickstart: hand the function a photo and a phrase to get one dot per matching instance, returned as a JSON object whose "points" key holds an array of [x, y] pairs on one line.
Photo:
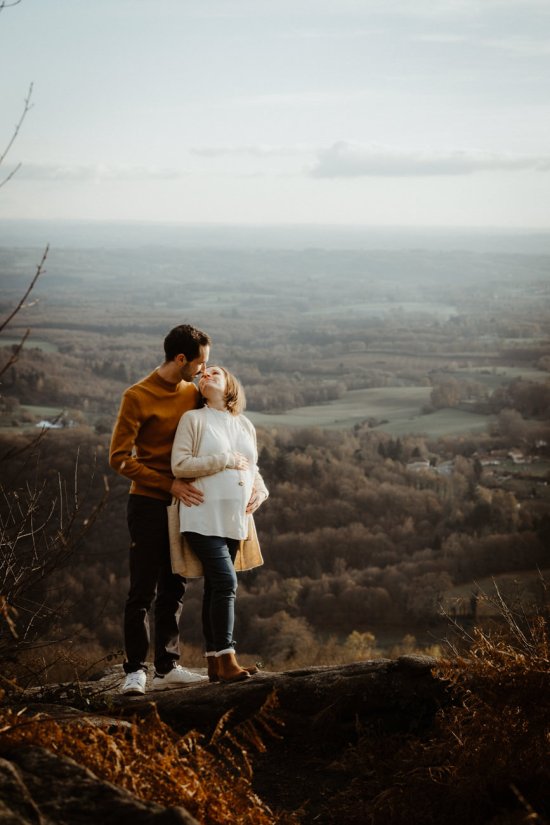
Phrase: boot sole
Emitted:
{"points": [[252, 670], [240, 677]]}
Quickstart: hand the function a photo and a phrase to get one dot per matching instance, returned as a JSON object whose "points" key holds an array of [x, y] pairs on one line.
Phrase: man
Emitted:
{"points": [[141, 447]]}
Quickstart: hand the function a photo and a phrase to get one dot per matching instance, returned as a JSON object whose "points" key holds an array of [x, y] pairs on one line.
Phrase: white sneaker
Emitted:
{"points": [[177, 677], [134, 684]]}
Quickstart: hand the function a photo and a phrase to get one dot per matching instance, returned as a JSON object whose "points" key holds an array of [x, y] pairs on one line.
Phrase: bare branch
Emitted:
{"points": [[10, 176], [26, 108], [21, 304], [15, 353], [5, 5], [39, 532], [8, 613], [17, 450]]}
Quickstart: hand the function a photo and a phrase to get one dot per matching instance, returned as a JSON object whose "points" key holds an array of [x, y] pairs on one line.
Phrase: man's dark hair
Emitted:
{"points": [[186, 340]]}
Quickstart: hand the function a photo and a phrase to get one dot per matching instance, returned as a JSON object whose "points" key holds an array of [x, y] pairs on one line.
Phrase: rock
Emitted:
{"points": [[314, 715], [38, 787], [403, 693], [321, 712], [16, 803]]}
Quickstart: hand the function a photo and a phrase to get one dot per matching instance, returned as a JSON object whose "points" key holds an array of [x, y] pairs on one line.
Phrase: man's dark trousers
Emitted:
{"points": [[150, 575]]}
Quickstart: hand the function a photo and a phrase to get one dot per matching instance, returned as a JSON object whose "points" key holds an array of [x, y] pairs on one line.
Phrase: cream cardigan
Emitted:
{"points": [[187, 464]]}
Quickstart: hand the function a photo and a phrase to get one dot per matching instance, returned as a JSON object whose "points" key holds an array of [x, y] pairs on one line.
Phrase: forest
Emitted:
{"points": [[374, 535]]}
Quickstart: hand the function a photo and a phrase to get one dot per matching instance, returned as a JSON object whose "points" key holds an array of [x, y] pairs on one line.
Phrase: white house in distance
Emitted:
{"points": [[48, 425]]}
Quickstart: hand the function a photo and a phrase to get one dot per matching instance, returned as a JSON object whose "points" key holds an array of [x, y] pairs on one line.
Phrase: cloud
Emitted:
{"points": [[531, 46], [333, 34], [304, 98], [94, 172], [344, 159], [254, 151], [253, 8], [350, 160]]}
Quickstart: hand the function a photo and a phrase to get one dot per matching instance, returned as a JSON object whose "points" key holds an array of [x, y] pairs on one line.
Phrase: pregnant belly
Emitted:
{"points": [[226, 486]]}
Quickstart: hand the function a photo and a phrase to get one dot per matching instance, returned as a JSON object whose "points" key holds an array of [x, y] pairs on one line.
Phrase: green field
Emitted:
{"points": [[42, 412], [38, 412], [496, 376], [399, 407], [440, 423], [30, 343]]}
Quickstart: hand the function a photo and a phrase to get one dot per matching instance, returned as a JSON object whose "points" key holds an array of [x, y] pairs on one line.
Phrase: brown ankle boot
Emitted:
{"points": [[229, 670], [212, 669]]}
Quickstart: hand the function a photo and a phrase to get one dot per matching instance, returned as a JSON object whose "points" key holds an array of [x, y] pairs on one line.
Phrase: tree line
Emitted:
{"points": [[353, 540]]}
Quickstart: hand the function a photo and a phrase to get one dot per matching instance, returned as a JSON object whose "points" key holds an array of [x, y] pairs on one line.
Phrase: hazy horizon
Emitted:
{"points": [[120, 234]]}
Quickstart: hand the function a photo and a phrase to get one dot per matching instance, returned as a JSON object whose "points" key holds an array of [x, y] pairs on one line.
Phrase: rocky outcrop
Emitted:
{"points": [[321, 712], [39, 787], [401, 694], [317, 711]]}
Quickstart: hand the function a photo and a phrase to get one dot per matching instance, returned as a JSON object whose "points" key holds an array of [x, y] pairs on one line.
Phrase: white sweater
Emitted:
{"points": [[204, 447]]}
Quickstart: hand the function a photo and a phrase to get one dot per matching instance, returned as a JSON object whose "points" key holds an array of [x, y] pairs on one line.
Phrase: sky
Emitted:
{"points": [[407, 113]]}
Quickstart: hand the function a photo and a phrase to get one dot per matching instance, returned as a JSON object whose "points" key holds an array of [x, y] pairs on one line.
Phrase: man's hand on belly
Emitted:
{"points": [[186, 492]]}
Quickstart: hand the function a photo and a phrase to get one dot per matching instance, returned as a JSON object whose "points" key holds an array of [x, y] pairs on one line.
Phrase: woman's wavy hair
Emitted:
{"points": [[235, 399]]}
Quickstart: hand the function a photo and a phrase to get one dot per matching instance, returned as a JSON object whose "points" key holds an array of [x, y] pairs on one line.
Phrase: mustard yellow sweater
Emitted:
{"points": [[141, 443]]}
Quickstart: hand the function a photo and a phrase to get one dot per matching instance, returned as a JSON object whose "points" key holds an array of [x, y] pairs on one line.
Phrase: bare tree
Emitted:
{"points": [[41, 526], [40, 530], [27, 106], [6, 4], [21, 305]]}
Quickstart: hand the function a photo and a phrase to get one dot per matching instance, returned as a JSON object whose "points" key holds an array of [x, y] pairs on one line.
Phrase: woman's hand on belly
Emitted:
{"points": [[239, 462], [255, 501]]}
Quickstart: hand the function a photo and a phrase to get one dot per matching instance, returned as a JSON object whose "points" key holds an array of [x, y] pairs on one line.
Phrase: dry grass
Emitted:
{"points": [[485, 760], [488, 758], [210, 778]]}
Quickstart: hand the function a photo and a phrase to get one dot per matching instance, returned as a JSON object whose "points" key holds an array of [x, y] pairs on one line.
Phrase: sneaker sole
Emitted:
{"points": [[179, 685]]}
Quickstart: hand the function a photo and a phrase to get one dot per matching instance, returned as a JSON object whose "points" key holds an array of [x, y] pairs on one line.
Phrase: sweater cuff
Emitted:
{"points": [[229, 460], [165, 484]]}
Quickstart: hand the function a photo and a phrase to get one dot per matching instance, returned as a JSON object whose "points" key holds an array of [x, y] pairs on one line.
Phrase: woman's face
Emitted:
{"points": [[212, 383]]}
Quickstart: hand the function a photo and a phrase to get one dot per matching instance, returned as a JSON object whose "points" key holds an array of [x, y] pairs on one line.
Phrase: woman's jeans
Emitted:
{"points": [[217, 555]]}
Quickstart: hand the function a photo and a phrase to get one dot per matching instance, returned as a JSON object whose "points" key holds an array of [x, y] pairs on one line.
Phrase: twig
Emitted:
{"points": [[26, 108], [11, 174], [5, 5], [21, 304], [15, 450], [15, 353]]}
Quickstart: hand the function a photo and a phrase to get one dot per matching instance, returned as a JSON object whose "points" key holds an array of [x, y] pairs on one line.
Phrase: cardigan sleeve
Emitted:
{"points": [[259, 483], [185, 464]]}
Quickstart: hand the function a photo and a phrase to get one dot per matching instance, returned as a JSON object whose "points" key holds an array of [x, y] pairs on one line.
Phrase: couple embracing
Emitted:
{"points": [[192, 459]]}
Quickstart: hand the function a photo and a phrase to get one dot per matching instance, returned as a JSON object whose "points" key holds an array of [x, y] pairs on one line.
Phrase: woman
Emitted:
{"points": [[216, 445]]}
